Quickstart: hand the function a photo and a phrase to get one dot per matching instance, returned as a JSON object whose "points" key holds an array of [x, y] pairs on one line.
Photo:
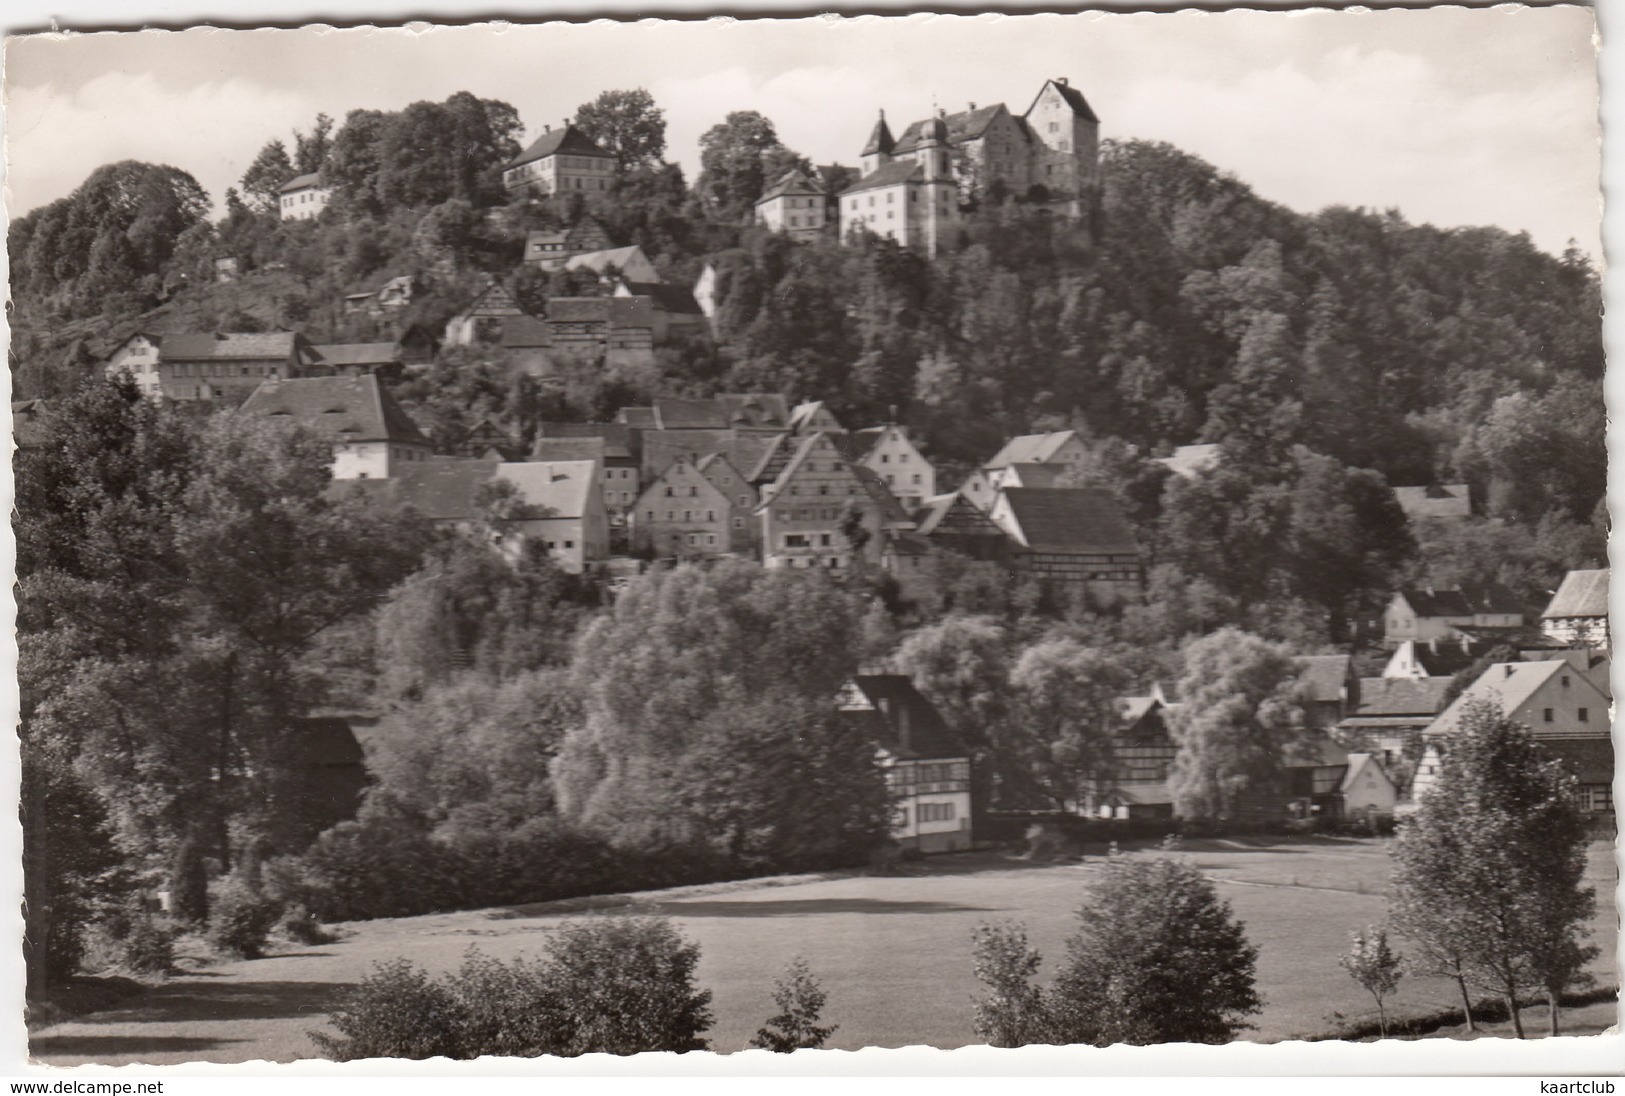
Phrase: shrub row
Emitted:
{"points": [[382, 867]]}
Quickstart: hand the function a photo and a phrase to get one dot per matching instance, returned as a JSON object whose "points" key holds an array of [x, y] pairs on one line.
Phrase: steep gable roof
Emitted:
{"points": [[966, 125], [1071, 520], [1188, 460], [617, 436], [1582, 594], [1462, 600], [1509, 686], [566, 138], [600, 261], [569, 449], [564, 489], [525, 333], [898, 718], [1035, 475], [1073, 97], [442, 489], [769, 409], [344, 409], [1031, 449], [880, 138]]}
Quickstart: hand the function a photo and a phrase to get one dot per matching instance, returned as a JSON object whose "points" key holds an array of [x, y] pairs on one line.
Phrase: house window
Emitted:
{"points": [[711, 538], [744, 500], [569, 544], [739, 523], [710, 515], [1583, 715], [916, 479], [1546, 715], [823, 540], [1597, 797]]}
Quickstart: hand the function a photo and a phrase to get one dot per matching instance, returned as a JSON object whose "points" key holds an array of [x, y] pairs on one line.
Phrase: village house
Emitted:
{"points": [[557, 506], [226, 368], [1064, 449], [911, 561], [1389, 721], [628, 262], [927, 769], [482, 320], [1329, 688], [794, 205], [486, 440], [617, 331], [302, 197], [560, 161], [1441, 502], [721, 473], [674, 308], [952, 523], [529, 344], [1075, 536], [372, 437], [137, 357], [354, 359], [1133, 783], [550, 250], [393, 294], [1416, 661], [978, 490], [1578, 612], [1430, 615], [1342, 787], [1561, 704], [824, 511], [683, 515], [618, 470], [889, 453]]}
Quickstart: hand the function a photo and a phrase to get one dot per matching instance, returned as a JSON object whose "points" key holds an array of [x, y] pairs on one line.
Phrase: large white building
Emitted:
{"points": [[561, 160], [302, 197], [912, 185], [372, 437]]}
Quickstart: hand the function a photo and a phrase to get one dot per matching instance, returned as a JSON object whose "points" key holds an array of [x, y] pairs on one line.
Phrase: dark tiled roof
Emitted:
{"points": [[892, 174], [891, 511], [756, 408], [1590, 760], [1074, 99], [1462, 601], [564, 139], [343, 354], [208, 346], [902, 720], [880, 138], [617, 436], [348, 409], [555, 449], [524, 332], [667, 298], [1072, 519], [300, 182], [792, 182], [1388, 696], [441, 490], [677, 414], [638, 418], [967, 125], [1325, 675], [1582, 594], [615, 311]]}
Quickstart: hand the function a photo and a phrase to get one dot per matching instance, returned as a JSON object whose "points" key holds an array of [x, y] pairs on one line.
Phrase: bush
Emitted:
{"points": [[241, 920], [611, 985], [299, 925], [149, 947]]}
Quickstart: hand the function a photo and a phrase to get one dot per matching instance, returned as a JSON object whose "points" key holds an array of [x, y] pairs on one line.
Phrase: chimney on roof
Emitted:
{"points": [[1061, 80], [970, 106], [547, 127], [1508, 668], [567, 123]]}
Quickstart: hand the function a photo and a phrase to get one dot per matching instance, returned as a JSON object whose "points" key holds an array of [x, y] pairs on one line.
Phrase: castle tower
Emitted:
{"points": [[1061, 119], [940, 192], [878, 150]]}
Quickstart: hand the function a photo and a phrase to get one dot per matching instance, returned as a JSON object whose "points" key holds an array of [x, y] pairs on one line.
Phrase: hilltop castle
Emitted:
{"points": [[912, 186]]}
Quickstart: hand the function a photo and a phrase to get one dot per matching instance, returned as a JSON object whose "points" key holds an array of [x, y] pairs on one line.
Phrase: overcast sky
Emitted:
{"points": [[1454, 116]]}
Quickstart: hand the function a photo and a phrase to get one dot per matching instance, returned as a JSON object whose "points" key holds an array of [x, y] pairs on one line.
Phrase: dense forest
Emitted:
{"points": [[538, 731]]}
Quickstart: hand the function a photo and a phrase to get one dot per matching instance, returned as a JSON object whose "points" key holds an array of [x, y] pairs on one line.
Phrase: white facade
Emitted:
{"points": [[931, 801], [303, 203], [374, 459], [907, 474], [138, 359]]}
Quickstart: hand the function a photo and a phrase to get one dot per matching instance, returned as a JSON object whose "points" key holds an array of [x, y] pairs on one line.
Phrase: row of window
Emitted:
{"points": [[808, 540], [688, 515], [935, 812], [941, 772], [806, 515], [222, 369], [1583, 715]]}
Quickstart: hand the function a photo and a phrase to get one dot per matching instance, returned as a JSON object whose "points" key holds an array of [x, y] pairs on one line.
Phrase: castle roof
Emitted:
{"points": [[880, 138], [895, 173], [793, 181], [966, 125], [1074, 99]]}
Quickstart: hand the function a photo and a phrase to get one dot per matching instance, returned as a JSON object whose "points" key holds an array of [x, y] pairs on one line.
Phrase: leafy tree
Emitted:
{"points": [[627, 124], [1066, 696], [739, 157], [800, 1000], [627, 987], [1238, 721], [1489, 872], [263, 180], [1158, 958], [709, 723], [310, 149], [1375, 966]]}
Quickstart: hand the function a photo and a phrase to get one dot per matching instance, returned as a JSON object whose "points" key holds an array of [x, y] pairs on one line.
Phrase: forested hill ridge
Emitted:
{"points": [[1187, 309]]}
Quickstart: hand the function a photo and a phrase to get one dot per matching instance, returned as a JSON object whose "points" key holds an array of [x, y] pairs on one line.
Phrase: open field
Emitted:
{"points": [[893, 953]]}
